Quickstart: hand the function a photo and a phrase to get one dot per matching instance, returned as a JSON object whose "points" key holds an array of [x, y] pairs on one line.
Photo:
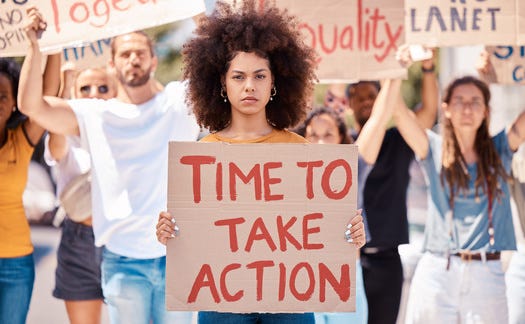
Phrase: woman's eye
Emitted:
{"points": [[260, 76]]}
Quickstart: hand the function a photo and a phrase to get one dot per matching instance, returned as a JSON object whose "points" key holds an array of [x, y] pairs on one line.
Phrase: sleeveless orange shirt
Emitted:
{"points": [[15, 155]]}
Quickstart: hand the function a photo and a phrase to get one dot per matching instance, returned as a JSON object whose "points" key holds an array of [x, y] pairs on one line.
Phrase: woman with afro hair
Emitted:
{"points": [[250, 78]]}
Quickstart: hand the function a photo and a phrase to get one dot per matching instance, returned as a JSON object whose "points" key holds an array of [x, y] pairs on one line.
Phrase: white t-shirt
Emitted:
{"points": [[129, 158], [75, 163]]}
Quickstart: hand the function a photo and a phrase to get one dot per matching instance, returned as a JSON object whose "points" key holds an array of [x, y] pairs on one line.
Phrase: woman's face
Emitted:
{"points": [[94, 84], [7, 102], [322, 129], [248, 83], [466, 109]]}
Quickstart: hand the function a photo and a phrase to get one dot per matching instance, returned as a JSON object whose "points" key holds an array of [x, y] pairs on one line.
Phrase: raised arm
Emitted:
{"points": [[54, 114], [50, 87], [516, 132], [485, 68], [371, 136], [426, 116], [52, 75], [410, 128]]}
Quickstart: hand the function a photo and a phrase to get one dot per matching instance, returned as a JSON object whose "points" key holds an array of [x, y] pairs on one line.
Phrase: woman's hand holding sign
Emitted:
{"points": [[166, 227], [355, 230]]}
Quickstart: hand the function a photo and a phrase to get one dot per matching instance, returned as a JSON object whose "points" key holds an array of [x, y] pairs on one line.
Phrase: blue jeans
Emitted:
{"points": [[134, 290], [255, 318], [17, 276]]}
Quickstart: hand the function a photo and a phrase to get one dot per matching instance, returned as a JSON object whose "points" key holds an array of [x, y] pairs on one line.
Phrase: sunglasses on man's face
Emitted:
{"points": [[102, 89]]}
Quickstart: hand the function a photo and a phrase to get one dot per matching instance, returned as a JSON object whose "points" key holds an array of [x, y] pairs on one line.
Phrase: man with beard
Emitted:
{"points": [[127, 138], [385, 196]]}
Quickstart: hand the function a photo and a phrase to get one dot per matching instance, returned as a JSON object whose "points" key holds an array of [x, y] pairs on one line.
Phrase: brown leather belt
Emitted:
{"points": [[467, 256]]}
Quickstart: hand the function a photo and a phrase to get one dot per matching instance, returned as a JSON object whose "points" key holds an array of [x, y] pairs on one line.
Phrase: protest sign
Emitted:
{"points": [[521, 22], [92, 55], [509, 63], [355, 39], [461, 22], [72, 23], [261, 227]]}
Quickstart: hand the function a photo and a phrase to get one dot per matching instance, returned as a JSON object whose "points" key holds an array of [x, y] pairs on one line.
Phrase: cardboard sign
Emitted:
{"points": [[461, 22], [521, 21], [261, 227], [509, 63], [355, 39], [93, 55], [73, 23]]}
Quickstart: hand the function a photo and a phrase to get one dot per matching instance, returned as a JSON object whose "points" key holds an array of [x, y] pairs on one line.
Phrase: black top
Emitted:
{"points": [[385, 193]]}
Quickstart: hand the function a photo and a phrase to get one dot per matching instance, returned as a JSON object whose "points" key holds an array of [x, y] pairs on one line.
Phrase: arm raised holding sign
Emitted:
{"points": [[467, 170], [125, 203]]}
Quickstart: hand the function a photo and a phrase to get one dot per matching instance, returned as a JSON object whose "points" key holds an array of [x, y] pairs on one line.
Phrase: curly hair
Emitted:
{"points": [[454, 166], [340, 123], [11, 70], [269, 32]]}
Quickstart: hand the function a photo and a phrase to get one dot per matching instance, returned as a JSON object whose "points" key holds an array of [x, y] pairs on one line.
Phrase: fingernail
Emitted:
{"points": [[349, 226], [350, 240], [172, 235], [347, 232], [173, 220]]}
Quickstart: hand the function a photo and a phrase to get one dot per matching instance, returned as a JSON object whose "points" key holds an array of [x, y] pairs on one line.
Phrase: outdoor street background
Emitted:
{"points": [[46, 309], [506, 103]]}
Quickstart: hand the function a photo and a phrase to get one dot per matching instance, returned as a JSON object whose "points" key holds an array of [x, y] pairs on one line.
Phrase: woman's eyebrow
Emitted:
{"points": [[256, 71]]}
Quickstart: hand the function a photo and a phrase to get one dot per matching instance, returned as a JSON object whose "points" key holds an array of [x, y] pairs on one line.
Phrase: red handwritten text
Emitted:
{"points": [[300, 273], [372, 33], [95, 12]]}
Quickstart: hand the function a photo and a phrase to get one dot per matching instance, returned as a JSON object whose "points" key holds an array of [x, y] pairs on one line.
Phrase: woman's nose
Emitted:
{"points": [[249, 86]]}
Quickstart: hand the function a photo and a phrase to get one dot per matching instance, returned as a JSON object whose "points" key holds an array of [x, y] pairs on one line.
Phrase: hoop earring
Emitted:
{"points": [[14, 108], [224, 95], [273, 92]]}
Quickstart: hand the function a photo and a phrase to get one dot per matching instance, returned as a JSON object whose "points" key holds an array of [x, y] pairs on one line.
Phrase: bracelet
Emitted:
{"points": [[428, 70]]}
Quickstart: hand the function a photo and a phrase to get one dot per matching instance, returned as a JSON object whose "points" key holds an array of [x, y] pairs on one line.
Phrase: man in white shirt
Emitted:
{"points": [[127, 138]]}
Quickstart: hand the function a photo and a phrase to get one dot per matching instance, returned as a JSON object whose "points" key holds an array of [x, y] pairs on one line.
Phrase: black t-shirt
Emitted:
{"points": [[385, 193]]}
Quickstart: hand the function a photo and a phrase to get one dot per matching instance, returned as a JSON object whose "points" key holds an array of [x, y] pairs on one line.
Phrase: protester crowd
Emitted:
{"points": [[106, 133]]}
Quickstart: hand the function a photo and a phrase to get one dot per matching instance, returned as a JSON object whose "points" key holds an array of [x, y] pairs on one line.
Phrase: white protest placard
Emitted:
{"points": [[355, 39], [509, 63], [461, 22], [261, 227], [72, 23]]}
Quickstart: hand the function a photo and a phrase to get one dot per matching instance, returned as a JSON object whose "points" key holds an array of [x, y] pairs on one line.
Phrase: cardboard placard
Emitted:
{"points": [[461, 22], [261, 227], [521, 22], [355, 39], [73, 23], [93, 55], [509, 63]]}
